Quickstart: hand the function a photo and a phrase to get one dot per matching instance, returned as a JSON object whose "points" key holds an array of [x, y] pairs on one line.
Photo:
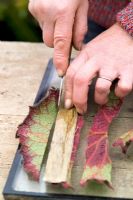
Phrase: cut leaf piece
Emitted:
{"points": [[98, 164], [79, 125], [63, 147], [124, 141], [34, 133]]}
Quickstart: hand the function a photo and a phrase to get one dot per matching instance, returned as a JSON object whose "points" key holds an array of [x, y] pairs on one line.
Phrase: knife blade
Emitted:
{"points": [[60, 92], [61, 95]]}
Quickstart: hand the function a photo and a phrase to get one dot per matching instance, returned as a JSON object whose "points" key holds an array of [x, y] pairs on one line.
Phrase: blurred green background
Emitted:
{"points": [[16, 23]]}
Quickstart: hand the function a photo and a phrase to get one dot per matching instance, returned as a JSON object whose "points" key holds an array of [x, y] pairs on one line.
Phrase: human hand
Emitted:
{"points": [[109, 56], [62, 22]]}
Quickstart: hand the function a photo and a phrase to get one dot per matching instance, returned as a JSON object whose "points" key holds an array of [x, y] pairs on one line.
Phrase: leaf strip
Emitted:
{"points": [[79, 125], [64, 147], [98, 164]]}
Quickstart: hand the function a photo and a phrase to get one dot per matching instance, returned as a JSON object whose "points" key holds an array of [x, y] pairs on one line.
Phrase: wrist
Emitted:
{"points": [[118, 30]]}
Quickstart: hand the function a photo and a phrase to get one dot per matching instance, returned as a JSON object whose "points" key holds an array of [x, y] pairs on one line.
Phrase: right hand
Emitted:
{"points": [[62, 22]]}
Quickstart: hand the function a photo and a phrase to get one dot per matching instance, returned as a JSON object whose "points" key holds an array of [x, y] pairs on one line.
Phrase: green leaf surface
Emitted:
{"points": [[34, 133]]}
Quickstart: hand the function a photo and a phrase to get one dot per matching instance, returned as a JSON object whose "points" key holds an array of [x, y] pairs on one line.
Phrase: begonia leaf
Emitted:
{"points": [[98, 164], [34, 133]]}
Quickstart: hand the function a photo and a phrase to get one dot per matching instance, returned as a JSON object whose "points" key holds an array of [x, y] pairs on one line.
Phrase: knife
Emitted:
{"points": [[60, 99], [61, 95]]}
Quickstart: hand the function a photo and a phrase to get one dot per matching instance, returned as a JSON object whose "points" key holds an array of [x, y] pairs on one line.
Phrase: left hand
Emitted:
{"points": [[109, 55]]}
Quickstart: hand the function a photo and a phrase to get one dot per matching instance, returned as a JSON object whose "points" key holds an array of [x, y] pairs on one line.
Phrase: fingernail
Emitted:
{"points": [[79, 110], [68, 103], [60, 72]]}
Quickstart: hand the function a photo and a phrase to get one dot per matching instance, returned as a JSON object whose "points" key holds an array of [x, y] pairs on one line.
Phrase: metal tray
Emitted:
{"points": [[19, 186]]}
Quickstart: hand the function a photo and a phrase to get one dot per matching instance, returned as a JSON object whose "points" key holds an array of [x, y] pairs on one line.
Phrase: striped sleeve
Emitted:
{"points": [[125, 18]]}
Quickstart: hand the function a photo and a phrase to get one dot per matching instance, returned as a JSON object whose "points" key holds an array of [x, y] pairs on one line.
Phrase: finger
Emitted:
{"points": [[124, 85], [102, 90], [82, 80], [48, 34], [62, 43], [34, 9], [103, 85], [73, 68], [80, 25]]}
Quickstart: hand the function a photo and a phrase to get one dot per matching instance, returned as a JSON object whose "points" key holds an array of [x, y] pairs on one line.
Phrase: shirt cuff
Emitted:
{"points": [[125, 18]]}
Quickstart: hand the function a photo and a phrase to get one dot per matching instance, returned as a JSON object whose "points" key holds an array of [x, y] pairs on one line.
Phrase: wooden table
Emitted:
{"points": [[22, 66], [21, 69]]}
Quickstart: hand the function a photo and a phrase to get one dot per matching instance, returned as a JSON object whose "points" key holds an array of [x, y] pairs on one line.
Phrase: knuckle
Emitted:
{"points": [[39, 7], [62, 8], [61, 42], [70, 74], [79, 80], [85, 53], [101, 89]]}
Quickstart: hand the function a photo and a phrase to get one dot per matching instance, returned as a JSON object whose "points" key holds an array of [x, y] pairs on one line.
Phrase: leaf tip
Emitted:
{"points": [[119, 143]]}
